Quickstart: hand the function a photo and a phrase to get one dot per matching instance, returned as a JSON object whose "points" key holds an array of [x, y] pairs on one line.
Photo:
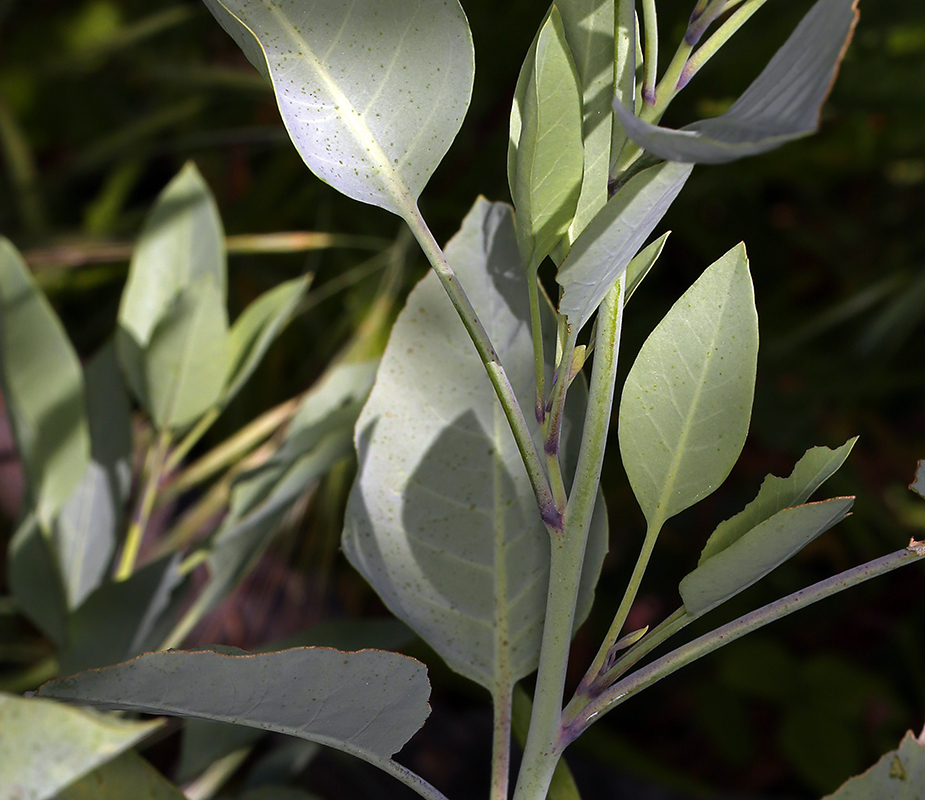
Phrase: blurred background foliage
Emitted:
{"points": [[101, 102]]}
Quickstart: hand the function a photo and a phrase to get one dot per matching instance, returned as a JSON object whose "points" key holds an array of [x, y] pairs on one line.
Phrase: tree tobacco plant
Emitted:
{"points": [[476, 513]]}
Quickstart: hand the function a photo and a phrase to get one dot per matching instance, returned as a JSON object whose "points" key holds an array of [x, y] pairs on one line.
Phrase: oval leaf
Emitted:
{"points": [[84, 532], [44, 389], [186, 358], [611, 240], [687, 400], [442, 520], [47, 745], [368, 703], [372, 92], [782, 104], [815, 468], [759, 551], [549, 159], [182, 241]]}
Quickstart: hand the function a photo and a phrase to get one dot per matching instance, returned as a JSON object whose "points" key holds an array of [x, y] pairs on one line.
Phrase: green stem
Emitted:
{"points": [[189, 441], [136, 530], [228, 452], [650, 60], [666, 665], [553, 429], [501, 743], [723, 34], [544, 743], [619, 620], [624, 74], [492, 362], [539, 357]]}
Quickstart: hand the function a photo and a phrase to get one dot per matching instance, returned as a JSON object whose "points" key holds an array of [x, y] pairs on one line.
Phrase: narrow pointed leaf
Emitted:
{"points": [[549, 161], [589, 32], [899, 775], [782, 104], [320, 434], [815, 468], [186, 358], [182, 241], [44, 389], [255, 330], [372, 92], [368, 703], [35, 582], [611, 240], [642, 262], [47, 745], [687, 399], [442, 520], [84, 532], [759, 551]]}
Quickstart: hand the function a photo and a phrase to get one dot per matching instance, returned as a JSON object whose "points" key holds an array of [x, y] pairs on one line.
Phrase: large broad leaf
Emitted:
{"points": [[181, 243], [45, 745], [254, 331], [782, 104], [442, 520], [84, 532], [759, 551], [372, 92], [815, 468], [44, 390], [368, 703], [589, 31], [899, 775], [35, 582], [611, 240], [548, 159], [187, 356], [687, 400]]}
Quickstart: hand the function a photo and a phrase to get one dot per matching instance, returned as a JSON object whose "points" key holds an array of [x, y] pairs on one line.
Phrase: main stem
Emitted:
{"points": [[493, 366], [544, 741]]}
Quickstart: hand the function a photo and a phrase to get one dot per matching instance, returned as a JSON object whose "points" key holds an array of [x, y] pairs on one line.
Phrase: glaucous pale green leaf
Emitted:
{"points": [[186, 361], [34, 578], [815, 468], [918, 485], [687, 400], [122, 619], [549, 160], [611, 240], [46, 746], [44, 389], [782, 104], [242, 36], [127, 775], [642, 262], [372, 92], [254, 331], [755, 554], [589, 32], [84, 532], [182, 241], [899, 775], [442, 520], [368, 703]]}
